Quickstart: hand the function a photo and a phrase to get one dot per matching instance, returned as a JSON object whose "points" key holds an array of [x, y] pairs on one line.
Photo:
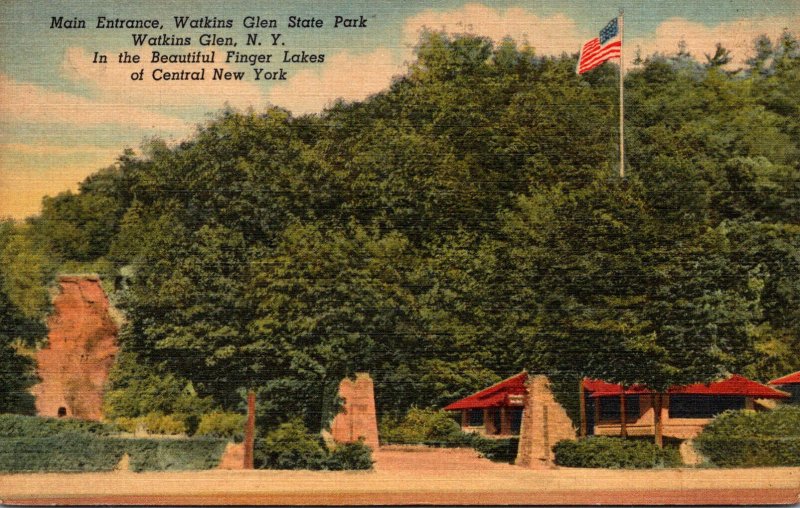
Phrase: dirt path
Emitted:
{"points": [[412, 478]]}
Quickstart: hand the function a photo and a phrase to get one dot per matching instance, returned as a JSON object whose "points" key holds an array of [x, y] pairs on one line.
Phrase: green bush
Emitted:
{"points": [[291, 446], [614, 452], [38, 426], [223, 425], [439, 429], [350, 456], [173, 454], [29, 444], [420, 426], [65, 452], [158, 423], [126, 424], [153, 423], [750, 439]]}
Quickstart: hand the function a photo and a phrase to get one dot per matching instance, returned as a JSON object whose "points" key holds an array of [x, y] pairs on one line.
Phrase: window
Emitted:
{"points": [[702, 406], [609, 408], [475, 417]]}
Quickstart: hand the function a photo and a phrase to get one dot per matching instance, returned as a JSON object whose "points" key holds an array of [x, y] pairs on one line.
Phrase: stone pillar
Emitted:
{"points": [[544, 423], [357, 418]]}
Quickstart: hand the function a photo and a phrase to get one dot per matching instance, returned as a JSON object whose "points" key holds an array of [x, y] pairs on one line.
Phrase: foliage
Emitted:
{"points": [[222, 425], [49, 444], [613, 452], [753, 439], [136, 389], [419, 426], [78, 452], [350, 456], [439, 429], [39, 426], [291, 446], [173, 454], [153, 423], [463, 224]]}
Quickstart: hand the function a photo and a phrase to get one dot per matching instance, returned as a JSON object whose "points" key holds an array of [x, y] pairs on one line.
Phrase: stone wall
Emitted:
{"points": [[544, 423], [357, 418], [82, 344]]}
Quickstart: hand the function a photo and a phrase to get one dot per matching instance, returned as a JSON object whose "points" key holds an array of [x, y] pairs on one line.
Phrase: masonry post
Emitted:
{"points": [[544, 423]]}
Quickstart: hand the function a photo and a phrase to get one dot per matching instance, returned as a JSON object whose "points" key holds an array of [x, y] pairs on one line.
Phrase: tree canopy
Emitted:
{"points": [[460, 226]]}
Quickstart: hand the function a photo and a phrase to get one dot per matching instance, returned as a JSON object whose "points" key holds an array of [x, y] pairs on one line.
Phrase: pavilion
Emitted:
{"points": [[790, 384], [496, 410], [685, 410]]}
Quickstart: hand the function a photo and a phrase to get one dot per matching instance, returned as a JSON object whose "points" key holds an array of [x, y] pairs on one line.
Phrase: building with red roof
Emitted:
{"points": [[496, 410], [685, 410], [790, 384]]}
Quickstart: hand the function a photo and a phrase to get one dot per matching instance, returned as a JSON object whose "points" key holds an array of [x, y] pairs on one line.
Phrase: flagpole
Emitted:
{"points": [[621, 99]]}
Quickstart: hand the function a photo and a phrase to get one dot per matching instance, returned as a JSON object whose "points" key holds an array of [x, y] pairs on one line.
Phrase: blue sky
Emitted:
{"points": [[63, 117]]}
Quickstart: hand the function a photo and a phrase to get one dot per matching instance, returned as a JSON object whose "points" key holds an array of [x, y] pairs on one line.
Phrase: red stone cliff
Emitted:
{"points": [[82, 344]]}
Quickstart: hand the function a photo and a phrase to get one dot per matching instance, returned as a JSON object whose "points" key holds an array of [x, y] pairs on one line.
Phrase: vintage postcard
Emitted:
{"points": [[465, 252]]}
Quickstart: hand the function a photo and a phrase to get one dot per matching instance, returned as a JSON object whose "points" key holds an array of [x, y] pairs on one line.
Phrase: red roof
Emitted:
{"points": [[494, 396], [791, 379], [734, 385]]}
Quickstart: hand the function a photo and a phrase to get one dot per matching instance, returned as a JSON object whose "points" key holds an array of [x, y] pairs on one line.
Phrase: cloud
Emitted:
{"points": [[737, 36], [547, 35], [111, 83], [352, 76], [344, 75], [25, 102], [28, 172]]}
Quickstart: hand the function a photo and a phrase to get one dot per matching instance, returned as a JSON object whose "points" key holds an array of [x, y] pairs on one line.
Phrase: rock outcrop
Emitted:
{"points": [[82, 344]]}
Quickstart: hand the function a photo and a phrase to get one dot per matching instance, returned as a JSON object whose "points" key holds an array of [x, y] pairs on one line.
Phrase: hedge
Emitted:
{"points": [[70, 452], [173, 454], [38, 426], [750, 439], [614, 452], [79, 446]]}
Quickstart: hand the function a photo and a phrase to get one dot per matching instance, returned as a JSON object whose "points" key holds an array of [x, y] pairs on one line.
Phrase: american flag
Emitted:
{"points": [[605, 47]]}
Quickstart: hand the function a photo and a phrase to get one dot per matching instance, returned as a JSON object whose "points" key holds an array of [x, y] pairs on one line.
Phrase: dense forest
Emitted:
{"points": [[465, 224]]}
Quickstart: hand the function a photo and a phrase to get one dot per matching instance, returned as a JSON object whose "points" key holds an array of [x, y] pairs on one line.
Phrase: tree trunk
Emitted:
{"points": [[582, 398], [249, 431], [659, 428]]}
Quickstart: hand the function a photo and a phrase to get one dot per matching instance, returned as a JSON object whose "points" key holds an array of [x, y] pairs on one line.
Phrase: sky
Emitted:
{"points": [[63, 117]]}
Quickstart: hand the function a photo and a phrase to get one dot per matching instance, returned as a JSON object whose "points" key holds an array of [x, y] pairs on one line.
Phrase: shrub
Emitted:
{"points": [[158, 423], [614, 452], [31, 444], [38, 426], [291, 446], [439, 429], [65, 452], [350, 456], [750, 439], [420, 426], [75, 452], [497, 450], [223, 425], [126, 424], [173, 454]]}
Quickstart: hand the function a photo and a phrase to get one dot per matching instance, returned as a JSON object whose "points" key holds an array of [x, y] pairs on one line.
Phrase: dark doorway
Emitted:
{"points": [[62, 412]]}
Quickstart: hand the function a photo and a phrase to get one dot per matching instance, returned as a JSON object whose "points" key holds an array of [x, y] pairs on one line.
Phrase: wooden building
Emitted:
{"points": [[685, 410], [496, 410], [789, 384]]}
